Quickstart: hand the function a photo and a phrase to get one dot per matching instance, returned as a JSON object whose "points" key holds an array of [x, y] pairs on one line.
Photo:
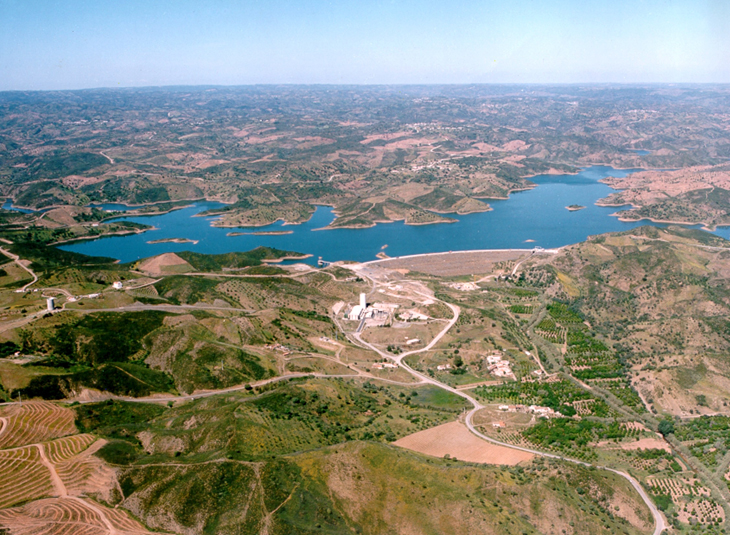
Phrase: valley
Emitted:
{"points": [[233, 366], [366, 310]]}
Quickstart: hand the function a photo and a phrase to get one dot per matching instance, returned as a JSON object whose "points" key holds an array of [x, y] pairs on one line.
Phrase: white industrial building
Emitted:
{"points": [[359, 311], [376, 313]]}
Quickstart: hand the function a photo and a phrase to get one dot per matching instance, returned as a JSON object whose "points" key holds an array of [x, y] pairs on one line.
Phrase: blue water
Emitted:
{"points": [[8, 205], [640, 152], [538, 214]]}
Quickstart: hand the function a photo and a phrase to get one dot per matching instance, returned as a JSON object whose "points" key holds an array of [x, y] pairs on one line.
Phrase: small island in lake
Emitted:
{"points": [[574, 207], [262, 233], [174, 240]]}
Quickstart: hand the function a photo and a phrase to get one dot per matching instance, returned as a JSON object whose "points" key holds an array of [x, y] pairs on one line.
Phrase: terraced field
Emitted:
{"points": [[34, 422], [67, 447], [44, 476], [86, 474], [68, 516], [24, 477]]}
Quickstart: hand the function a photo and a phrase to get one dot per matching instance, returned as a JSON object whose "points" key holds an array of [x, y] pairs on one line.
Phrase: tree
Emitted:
{"points": [[666, 427]]}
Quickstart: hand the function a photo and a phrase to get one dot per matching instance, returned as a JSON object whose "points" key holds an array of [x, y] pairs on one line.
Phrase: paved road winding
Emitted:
{"points": [[399, 360], [659, 522], [17, 260]]}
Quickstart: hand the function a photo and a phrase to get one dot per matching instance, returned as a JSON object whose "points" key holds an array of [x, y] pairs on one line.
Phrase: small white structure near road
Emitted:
{"points": [[383, 365], [118, 285], [51, 304], [540, 412]]}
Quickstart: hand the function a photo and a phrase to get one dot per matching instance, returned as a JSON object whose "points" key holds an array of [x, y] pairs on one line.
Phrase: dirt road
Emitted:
{"points": [[18, 261], [659, 522]]}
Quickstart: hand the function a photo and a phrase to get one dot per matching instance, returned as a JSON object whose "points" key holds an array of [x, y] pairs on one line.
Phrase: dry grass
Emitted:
{"points": [[647, 444]]}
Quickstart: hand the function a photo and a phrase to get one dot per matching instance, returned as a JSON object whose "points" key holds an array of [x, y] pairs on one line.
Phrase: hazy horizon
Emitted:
{"points": [[79, 44], [602, 85]]}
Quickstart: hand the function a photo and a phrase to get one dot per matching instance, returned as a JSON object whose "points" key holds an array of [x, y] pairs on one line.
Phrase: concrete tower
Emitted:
{"points": [[50, 303], [363, 303]]}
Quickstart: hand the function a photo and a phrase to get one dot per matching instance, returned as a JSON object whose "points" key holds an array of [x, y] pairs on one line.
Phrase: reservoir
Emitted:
{"points": [[537, 217]]}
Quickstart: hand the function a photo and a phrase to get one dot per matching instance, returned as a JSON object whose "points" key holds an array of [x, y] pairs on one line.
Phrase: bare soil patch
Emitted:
{"points": [[165, 263], [647, 444], [455, 440]]}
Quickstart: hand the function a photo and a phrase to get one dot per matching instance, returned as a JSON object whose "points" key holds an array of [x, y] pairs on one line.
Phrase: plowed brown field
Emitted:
{"points": [[455, 440]]}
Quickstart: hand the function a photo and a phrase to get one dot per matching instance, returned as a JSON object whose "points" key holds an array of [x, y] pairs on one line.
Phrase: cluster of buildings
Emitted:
{"points": [[377, 311], [540, 412], [499, 367], [278, 347], [360, 310]]}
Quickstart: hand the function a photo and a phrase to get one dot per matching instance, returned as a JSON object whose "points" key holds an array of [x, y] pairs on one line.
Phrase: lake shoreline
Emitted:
{"points": [[538, 214], [385, 222], [705, 226], [173, 240], [108, 235], [262, 233]]}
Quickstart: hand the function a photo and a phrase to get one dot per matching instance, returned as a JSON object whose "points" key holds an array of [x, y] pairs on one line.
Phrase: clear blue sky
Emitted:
{"points": [[70, 44]]}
